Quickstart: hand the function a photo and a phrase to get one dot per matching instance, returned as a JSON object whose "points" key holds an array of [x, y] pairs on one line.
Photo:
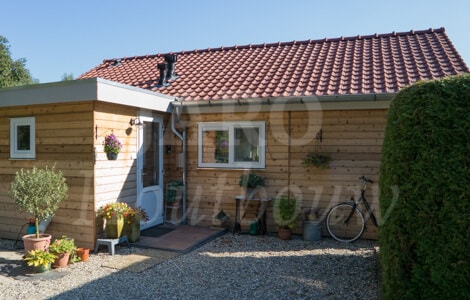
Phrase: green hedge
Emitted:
{"points": [[425, 234]]}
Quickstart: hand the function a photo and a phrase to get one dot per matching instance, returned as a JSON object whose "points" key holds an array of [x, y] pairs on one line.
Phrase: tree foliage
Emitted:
{"points": [[39, 192], [12, 72], [67, 77], [425, 241]]}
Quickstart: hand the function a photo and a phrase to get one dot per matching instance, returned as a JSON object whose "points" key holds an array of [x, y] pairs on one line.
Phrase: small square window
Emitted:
{"points": [[22, 138], [231, 145]]}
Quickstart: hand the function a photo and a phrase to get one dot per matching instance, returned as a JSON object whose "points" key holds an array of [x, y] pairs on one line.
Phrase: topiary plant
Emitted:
{"points": [[39, 192], [424, 235], [286, 212]]}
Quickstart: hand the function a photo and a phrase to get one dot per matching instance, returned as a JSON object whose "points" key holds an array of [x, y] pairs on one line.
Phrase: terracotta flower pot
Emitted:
{"points": [[285, 234], [31, 242], [83, 253], [62, 260]]}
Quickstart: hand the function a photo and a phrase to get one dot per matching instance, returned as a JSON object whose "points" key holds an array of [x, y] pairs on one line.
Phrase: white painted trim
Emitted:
{"points": [[22, 154], [85, 90], [230, 127]]}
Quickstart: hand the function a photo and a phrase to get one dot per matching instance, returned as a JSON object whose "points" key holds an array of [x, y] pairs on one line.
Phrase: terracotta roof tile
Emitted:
{"points": [[379, 63]]}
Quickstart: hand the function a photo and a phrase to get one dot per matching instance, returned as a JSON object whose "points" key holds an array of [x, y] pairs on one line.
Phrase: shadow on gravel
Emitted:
{"points": [[12, 265], [235, 267]]}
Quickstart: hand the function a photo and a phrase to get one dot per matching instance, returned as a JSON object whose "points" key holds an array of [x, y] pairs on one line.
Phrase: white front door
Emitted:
{"points": [[150, 170]]}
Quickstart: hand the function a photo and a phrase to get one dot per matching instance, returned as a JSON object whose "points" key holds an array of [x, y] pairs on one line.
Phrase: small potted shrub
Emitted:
{"points": [[286, 211], [174, 192], [38, 192], [250, 183], [310, 215], [132, 219], [64, 249], [40, 259], [221, 219]]}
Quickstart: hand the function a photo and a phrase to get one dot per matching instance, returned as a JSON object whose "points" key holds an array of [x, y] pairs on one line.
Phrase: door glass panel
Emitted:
{"points": [[150, 174]]}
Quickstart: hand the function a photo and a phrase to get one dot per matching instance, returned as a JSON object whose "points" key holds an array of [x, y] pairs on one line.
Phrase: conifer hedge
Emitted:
{"points": [[424, 236]]}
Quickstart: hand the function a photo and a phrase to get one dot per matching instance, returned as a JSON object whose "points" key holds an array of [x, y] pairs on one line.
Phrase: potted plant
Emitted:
{"points": [[38, 192], [286, 211], [40, 259], [221, 219], [174, 192], [311, 214], [311, 230], [318, 160], [112, 146], [64, 249], [113, 215], [82, 253], [250, 183], [132, 219]]}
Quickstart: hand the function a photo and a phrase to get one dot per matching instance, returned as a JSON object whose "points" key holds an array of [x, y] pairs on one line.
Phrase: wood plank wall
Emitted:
{"points": [[352, 137], [115, 180], [64, 138]]}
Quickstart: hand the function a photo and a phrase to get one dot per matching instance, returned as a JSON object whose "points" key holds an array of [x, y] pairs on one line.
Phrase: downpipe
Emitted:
{"points": [[182, 136]]}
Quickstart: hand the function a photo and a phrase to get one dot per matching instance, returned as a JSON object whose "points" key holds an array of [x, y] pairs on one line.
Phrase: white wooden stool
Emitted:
{"points": [[110, 243]]}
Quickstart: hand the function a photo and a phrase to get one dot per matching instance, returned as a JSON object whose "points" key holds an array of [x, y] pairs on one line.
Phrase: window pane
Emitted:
{"points": [[150, 146], [247, 144], [215, 145], [23, 137]]}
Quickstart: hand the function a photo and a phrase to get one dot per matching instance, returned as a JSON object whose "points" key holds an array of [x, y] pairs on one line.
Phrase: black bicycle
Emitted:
{"points": [[345, 221]]}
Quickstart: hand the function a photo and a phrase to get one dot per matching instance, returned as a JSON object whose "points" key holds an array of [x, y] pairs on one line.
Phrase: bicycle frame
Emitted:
{"points": [[366, 204]]}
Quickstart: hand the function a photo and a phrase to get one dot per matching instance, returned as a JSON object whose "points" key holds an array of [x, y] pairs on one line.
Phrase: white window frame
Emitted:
{"points": [[15, 153], [230, 127]]}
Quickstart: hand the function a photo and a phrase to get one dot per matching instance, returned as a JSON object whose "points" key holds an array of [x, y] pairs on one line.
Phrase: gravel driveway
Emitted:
{"points": [[230, 267]]}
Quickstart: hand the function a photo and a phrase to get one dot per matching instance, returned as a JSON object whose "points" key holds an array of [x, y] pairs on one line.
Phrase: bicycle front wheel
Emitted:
{"points": [[345, 222]]}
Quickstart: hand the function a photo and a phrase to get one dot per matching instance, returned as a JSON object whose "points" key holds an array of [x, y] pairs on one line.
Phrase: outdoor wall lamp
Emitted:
{"points": [[135, 121]]}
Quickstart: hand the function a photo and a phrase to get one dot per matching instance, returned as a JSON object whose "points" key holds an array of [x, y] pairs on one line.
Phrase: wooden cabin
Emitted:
{"points": [[70, 120], [227, 111]]}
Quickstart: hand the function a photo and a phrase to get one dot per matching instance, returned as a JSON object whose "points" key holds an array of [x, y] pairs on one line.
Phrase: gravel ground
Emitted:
{"points": [[230, 267]]}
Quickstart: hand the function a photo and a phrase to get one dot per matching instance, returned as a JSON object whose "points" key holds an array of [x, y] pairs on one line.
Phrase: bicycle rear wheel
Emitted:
{"points": [[345, 222]]}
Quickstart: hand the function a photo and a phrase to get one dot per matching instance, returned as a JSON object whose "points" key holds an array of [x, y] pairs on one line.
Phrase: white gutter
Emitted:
{"points": [[371, 101]]}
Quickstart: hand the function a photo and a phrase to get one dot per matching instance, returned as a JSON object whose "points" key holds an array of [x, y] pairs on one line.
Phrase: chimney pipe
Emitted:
{"points": [[171, 61], [163, 74]]}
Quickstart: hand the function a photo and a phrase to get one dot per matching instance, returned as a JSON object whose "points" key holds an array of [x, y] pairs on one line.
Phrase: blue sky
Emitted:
{"points": [[58, 37]]}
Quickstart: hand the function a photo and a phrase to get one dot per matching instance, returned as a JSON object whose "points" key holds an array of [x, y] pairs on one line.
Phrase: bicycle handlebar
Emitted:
{"points": [[365, 179]]}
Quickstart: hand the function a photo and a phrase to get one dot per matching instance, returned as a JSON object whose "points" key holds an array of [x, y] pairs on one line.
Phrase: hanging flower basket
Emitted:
{"points": [[111, 155], [112, 146]]}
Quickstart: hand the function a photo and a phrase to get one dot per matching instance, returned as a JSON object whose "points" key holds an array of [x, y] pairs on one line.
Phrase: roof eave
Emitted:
{"points": [[84, 90]]}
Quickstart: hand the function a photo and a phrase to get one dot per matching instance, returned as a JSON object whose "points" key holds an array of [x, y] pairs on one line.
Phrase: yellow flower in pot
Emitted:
{"points": [[40, 259], [132, 219], [113, 215]]}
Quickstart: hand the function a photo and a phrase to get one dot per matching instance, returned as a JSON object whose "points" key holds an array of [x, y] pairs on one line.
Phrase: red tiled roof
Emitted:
{"points": [[380, 63]]}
